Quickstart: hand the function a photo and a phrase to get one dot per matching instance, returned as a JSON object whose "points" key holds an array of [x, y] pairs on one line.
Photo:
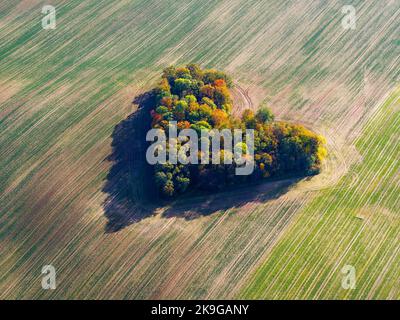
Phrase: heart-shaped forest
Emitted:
{"points": [[185, 142]]}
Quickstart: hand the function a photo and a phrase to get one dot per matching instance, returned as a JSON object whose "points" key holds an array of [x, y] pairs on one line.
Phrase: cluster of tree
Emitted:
{"points": [[200, 100]]}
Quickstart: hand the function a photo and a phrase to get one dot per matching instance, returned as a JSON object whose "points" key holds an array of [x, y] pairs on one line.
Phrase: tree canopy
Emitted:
{"points": [[200, 100]]}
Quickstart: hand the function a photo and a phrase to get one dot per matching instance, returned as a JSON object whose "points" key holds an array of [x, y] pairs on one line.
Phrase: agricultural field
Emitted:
{"points": [[354, 222], [69, 96]]}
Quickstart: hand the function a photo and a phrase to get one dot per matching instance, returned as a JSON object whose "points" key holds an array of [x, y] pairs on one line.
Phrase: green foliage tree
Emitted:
{"points": [[182, 86], [264, 115]]}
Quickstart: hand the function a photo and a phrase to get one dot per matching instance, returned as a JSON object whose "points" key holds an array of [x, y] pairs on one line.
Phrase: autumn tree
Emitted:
{"points": [[200, 99]]}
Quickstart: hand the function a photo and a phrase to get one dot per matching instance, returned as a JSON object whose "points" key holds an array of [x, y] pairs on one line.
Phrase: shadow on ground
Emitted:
{"points": [[128, 188], [131, 193], [191, 207]]}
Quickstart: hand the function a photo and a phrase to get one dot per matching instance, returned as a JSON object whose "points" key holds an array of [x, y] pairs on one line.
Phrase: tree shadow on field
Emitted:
{"points": [[191, 206], [132, 195], [128, 186]]}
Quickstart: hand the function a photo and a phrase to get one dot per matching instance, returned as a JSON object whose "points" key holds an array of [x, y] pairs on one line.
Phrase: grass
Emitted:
{"points": [[63, 91], [356, 222]]}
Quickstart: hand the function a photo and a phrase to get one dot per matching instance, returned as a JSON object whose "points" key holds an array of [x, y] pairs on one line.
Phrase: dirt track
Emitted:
{"points": [[340, 158], [241, 99]]}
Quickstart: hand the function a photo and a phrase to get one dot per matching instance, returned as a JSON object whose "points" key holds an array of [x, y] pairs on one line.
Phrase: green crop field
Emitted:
{"points": [[64, 91], [355, 222]]}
